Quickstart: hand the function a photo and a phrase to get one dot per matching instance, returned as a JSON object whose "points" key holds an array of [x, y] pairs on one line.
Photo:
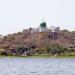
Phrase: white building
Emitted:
{"points": [[34, 30], [1, 36], [54, 29], [25, 31]]}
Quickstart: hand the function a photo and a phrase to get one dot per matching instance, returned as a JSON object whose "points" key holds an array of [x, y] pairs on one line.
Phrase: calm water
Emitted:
{"points": [[37, 66]]}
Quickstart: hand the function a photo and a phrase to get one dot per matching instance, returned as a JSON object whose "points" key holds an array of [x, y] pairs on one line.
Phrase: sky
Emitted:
{"points": [[16, 15]]}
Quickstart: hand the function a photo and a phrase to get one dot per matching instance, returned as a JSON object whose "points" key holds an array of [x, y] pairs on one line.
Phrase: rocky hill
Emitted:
{"points": [[62, 38]]}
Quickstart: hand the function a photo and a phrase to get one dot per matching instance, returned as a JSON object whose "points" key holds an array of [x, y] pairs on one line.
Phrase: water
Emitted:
{"points": [[37, 66]]}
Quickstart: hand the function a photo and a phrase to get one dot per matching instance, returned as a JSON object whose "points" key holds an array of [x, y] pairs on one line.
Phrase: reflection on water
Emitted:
{"points": [[37, 66]]}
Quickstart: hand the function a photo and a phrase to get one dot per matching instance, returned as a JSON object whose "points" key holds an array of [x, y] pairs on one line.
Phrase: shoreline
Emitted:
{"points": [[38, 56]]}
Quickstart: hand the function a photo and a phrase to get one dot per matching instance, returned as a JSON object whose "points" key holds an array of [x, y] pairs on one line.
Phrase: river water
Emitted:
{"points": [[37, 66]]}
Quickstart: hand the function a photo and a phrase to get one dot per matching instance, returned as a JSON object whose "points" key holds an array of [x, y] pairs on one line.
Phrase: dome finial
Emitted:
{"points": [[43, 20]]}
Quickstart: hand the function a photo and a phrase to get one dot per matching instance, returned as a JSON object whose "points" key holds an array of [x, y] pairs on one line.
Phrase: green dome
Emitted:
{"points": [[43, 24]]}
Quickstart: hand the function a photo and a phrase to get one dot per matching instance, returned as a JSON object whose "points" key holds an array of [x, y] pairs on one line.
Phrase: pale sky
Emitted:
{"points": [[16, 15]]}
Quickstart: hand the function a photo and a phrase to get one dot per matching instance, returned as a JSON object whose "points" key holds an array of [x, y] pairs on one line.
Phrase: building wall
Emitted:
{"points": [[42, 29], [54, 29]]}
